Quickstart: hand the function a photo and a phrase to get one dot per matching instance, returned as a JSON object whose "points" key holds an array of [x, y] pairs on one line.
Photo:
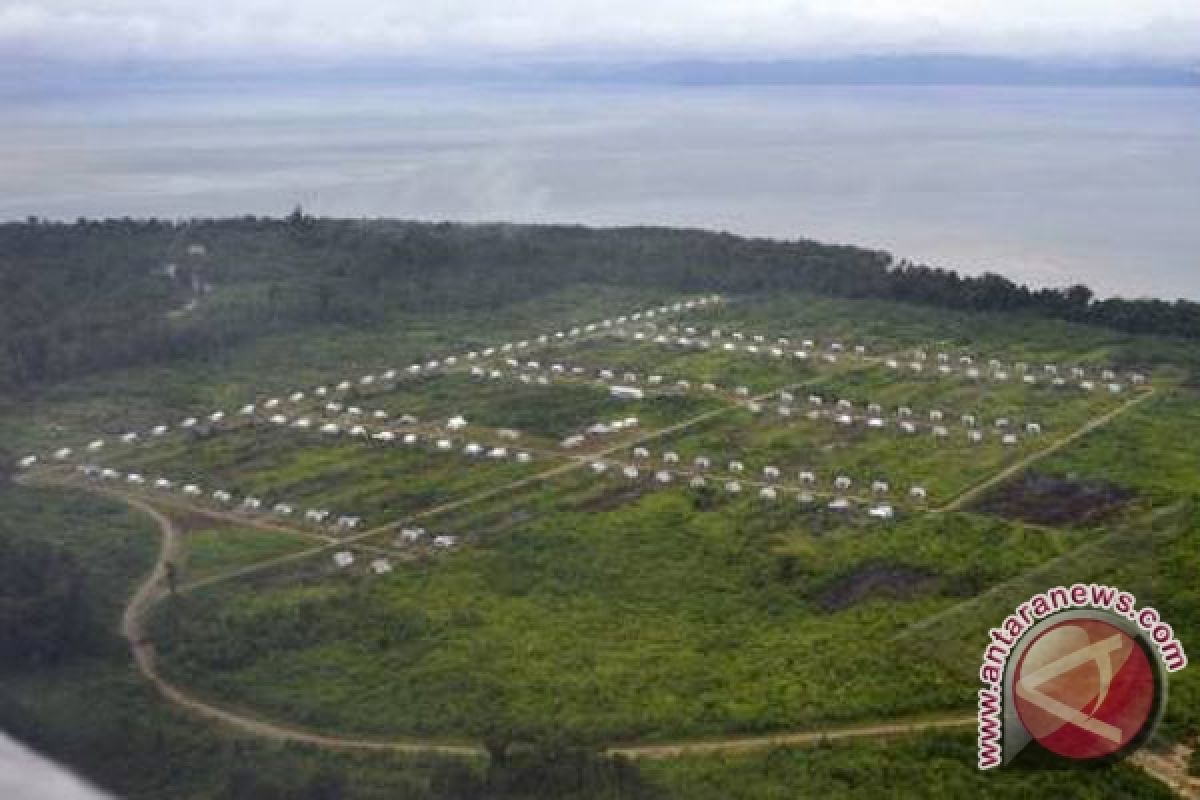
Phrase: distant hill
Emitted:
{"points": [[931, 70], [29, 79]]}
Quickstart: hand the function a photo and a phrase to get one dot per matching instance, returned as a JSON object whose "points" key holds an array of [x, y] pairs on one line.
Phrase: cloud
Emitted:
{"points": [[473, 30]]}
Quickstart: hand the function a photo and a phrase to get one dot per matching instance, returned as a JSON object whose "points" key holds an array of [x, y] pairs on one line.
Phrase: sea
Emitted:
{"points": [[1050, 186]]}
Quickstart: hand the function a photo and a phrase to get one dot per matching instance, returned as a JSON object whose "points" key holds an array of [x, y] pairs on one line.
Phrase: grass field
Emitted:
{"points": [[594, 609]]}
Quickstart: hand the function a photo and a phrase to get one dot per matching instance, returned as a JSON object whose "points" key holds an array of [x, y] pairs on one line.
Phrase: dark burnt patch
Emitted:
{"points": [[875, 581], [1055, 500]]}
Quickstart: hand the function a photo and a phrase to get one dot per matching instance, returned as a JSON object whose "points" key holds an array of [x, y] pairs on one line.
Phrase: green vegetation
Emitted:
{"points": [[213, 548], [929, 765], [581, 609], [684, 616], [95, 296]]}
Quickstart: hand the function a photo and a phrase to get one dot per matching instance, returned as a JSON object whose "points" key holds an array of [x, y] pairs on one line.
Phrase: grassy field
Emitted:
{"points": [[594, 609], [210, 548], [683, 617], [379, 483]]}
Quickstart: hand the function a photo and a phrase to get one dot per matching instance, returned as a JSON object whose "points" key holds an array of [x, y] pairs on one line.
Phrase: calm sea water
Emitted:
{"points": [[1045, 185]]}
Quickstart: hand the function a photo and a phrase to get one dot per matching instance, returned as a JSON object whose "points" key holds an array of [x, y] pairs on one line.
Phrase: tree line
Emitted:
{"points": [[94, 295]]}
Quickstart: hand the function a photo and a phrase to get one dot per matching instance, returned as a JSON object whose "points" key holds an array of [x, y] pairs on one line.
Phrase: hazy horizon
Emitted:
{"points": [[1049, 186]]}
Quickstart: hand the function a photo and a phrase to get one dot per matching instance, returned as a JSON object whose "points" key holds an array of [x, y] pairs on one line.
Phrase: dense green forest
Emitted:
{"points": [[94, 295]]}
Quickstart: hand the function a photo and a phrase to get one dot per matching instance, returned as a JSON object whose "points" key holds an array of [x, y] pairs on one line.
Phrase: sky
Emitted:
{"points": [[466, 31]]}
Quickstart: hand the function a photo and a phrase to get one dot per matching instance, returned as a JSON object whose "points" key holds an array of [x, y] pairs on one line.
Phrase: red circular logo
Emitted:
{"points": [[1084, 689]]}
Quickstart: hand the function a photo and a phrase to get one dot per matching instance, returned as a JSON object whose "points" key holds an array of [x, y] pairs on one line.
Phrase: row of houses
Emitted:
{"points": [[700, 465], [272, 405], [908, 425], [224, 498], [769, 493]]}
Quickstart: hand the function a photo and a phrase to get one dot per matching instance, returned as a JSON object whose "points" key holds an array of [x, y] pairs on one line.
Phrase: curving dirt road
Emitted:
{"points": [[1167, 769]]}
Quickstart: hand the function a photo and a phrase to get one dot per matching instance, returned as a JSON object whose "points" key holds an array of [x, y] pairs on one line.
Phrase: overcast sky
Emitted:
{"points": [[473, 30]]}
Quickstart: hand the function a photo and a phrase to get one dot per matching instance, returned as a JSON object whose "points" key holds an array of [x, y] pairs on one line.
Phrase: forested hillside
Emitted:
{"points": [[94, 295]]}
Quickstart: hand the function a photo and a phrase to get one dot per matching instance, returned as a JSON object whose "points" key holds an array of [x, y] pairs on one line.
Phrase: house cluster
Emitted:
{"points": [[1046, 375], [872, 416], [224, 499], [752, 344], [417, 537], [733, 478], [272, 407], [344, 559]]}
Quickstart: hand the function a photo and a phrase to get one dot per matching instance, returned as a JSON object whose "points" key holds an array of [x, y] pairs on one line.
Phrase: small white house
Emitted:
{"points": [[129, 438], [808, 477], [733, 487], [697, 482], [251, 503], [192, 490], [630, 472], [498, 453], [444, 444], [736, 466], [410, 535], [918, 493], [771, 473], [283, 509], [882, 512], [662, 476], [702, 462], [670, 457], [599, 467], [95, 445], [473, 449], [135, 478], [767, 493], [524, 458], [627, 393], [159, 430], [384, 436], [842, 482], [62, 454], [381, 566], [27, 462], [330, 429], [456, 422], [641, 452], [839, 504], [222, 496], [343, 559], [348, 523], [162, 483]]}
